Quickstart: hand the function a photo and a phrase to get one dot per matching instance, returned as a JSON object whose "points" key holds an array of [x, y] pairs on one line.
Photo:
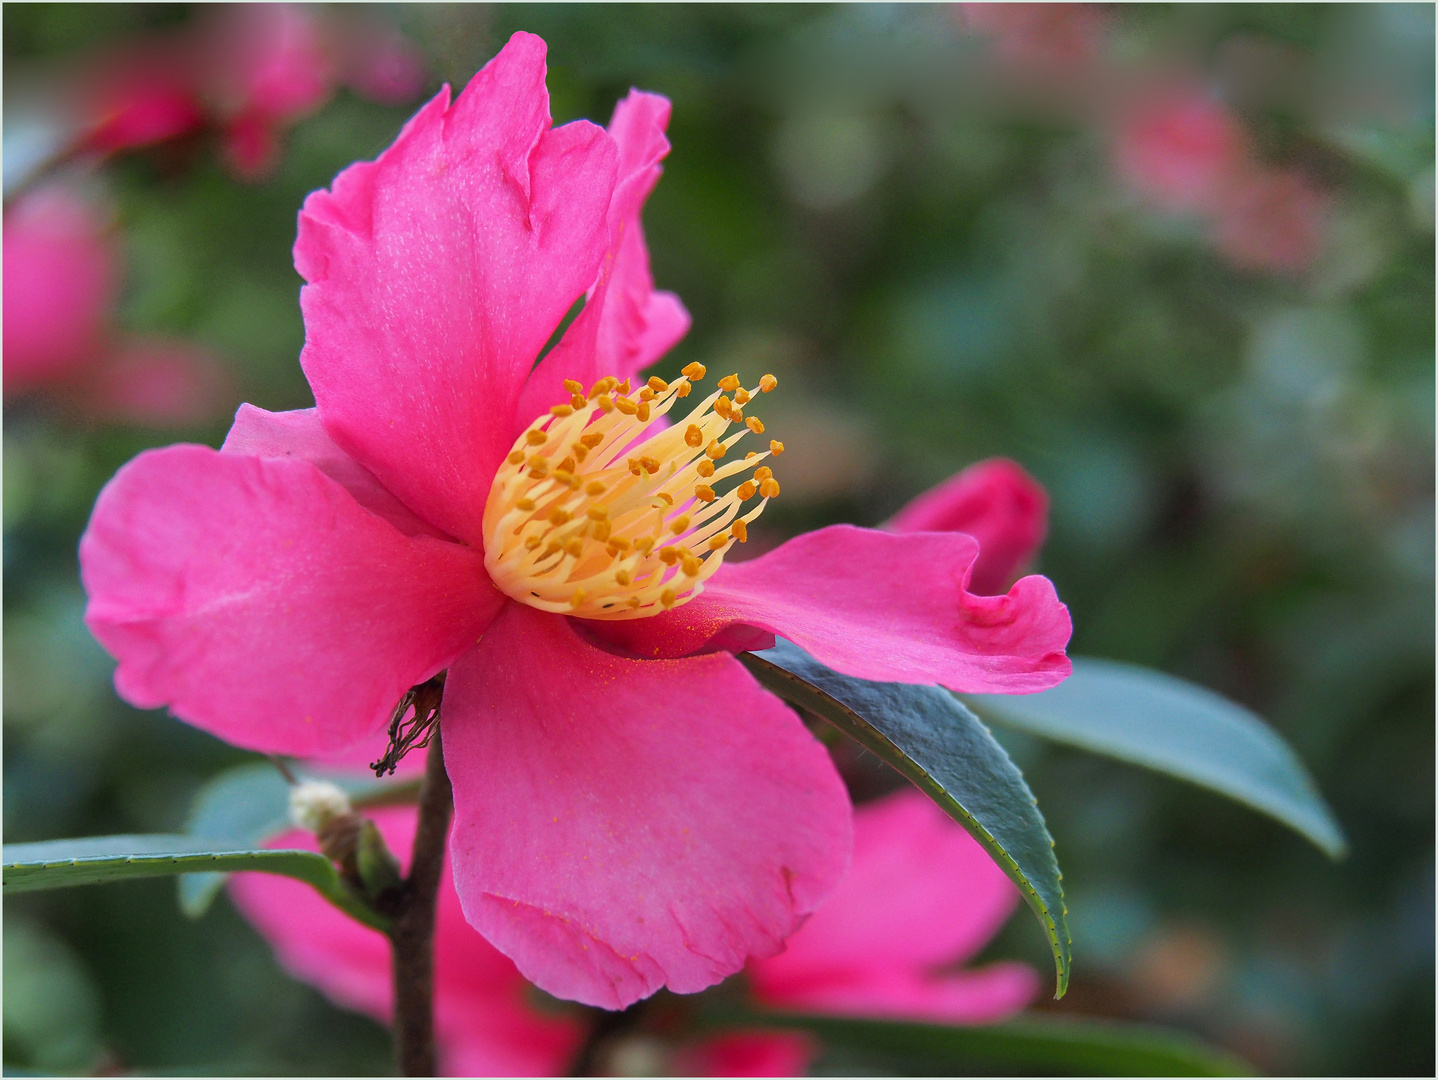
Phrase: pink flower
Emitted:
{"points": [[1181, 151], [60, 285], [1039, 35], [631, 809], [60, 281], [920, 898], [1187, 153]]}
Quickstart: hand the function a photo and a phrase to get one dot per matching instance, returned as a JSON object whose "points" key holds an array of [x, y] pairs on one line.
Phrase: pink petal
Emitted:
{"points": [[626, 325], [874, 605], [999, 505], [260, 602], [1271, 220], [300, 434], [748, 1053], [438, 271], [59, 285], [920, 894], [484, 1025], [622, 825], [1181, 149]]}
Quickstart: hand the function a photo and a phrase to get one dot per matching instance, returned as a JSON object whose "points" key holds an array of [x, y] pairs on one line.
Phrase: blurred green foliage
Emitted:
{"points": [[938, 270]]}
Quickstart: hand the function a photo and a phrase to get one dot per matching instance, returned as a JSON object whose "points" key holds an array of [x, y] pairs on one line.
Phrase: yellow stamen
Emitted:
{"points": [[576, 525], [767, 383], [775, 446]]}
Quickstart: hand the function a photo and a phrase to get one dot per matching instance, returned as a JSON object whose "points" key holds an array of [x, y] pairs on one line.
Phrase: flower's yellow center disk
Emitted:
{"points": [[596, 513]]}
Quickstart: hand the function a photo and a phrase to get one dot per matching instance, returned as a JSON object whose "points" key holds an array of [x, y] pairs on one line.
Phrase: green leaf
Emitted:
{"points": [[250, 803], [1031, 1046], [94, 860], [944, 749], [1164, 723]]}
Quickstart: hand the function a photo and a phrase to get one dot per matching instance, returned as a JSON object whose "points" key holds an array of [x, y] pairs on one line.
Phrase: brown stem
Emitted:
{"points": [[412, 933]]}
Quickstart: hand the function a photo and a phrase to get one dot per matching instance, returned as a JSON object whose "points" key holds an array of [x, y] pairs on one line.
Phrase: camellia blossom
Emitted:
{"points": [[632, 810], [920, 898], [61, 280]]}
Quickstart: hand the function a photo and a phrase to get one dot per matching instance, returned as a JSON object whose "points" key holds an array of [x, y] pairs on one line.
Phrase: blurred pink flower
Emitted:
{"points": [[59, 289], [1187, 153], [59, 285], [248, 71], [621, 823], [1039, 36], [1182, 152], [920, 898]]}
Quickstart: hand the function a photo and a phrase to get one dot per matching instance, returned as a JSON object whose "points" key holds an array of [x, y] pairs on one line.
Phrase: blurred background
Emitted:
{"points": [[1177, 261]]}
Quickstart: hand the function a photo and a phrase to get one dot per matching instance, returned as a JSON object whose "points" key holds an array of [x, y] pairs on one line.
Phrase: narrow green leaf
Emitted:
{"points": [[1042, 1046], [93, 860], [250, 803], [946, 751], [1176, 727]]}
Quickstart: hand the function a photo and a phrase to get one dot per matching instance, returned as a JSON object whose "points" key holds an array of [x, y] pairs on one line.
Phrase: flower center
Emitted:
{"points": [[601, 511]]}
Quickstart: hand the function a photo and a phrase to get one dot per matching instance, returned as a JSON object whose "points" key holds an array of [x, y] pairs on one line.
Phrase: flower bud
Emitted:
{"points": [[315, 803]]}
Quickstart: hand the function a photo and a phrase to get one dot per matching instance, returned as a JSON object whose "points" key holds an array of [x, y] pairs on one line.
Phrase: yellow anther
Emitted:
{"points": [[516, 456], [594, 488], [597, 513], [657, 384], [532, 542], [573, 387], [750, 454], [551, 548], [567, 478], [755, 425], [605, 403], [736, 414], [601, 531], [574, 546], [723, 407], [682, 390], [645, 544], [741, 396], [729, 383], [603, 386], [579, 450], [741, 531], [562, 410], [535, 438], [767, 383], [746, 490], [642, 413], [646, 394], [591, 440], [651, 465], [623, 386], [579, 401], [634, 603], [694, 372], [627, 407], [763, 472], [690, 565], [538, 466], [717, 541], [621, 577], [716, 449], [679, 524], [524, 504], [704, 467], [769, 488], [694, 435], [704, 493], [559, 517], [634, 466], [775, 446], [664, 497], [669, 555], [667, 598], [568, 464], [577, 598]]}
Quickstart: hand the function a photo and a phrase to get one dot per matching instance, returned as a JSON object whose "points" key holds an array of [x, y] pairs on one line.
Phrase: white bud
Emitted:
{"points": [[315, 803]]}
